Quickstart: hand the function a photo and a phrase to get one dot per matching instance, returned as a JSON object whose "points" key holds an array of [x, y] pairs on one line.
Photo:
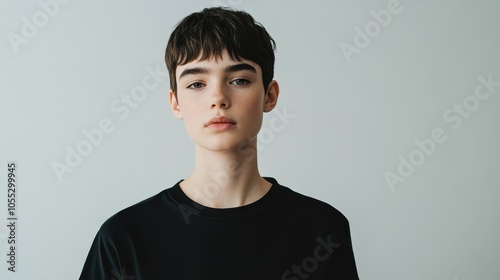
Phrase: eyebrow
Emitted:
{"points": [[240, 67], [229, 69]]}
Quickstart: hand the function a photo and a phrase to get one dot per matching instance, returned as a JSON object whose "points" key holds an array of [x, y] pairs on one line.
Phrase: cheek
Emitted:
{"points": [[252, 110], [193, 118], [189, 107], [190, 114], [253, 104]]}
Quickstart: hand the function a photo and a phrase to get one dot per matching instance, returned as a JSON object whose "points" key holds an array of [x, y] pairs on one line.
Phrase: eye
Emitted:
{"points": [[240, 82], [195, 85]]}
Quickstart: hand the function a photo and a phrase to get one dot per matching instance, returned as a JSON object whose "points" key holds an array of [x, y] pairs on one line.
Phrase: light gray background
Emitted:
{"points": [[352, 120]]}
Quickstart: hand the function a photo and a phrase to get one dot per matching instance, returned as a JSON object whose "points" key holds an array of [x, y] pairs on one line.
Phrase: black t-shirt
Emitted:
{"points": [[283, 235]]}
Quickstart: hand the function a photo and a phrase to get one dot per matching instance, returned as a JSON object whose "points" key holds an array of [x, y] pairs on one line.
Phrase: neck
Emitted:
{"points": [[225, 179]]}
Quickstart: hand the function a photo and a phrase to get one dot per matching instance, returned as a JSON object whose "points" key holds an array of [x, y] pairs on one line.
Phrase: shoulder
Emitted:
{"points": [[311, 208], [138, 214]]}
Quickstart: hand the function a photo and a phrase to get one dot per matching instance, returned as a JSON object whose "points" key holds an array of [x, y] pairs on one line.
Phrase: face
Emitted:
{"points": [[222, 101]]}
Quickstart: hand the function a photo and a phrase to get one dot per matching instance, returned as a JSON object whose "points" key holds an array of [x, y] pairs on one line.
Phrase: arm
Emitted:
{"points": [[102, 260]]}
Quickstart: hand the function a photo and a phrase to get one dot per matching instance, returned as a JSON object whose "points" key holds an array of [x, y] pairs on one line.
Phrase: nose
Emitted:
{"points": [[219, 98]]}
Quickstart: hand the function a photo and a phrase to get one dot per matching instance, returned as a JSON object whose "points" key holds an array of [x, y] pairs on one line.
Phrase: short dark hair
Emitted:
{"points": [[209, 32]]}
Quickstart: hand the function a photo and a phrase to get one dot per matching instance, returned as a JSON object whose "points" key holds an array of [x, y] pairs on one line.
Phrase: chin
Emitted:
{"points": [[225, 144]]}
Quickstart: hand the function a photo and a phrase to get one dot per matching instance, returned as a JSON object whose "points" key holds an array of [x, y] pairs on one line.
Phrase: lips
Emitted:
{"points": [[220, 120], [220, 124]]}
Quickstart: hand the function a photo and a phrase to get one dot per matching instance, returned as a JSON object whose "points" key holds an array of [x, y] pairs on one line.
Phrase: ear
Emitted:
{"points": [[271, 97], [174, 105]]}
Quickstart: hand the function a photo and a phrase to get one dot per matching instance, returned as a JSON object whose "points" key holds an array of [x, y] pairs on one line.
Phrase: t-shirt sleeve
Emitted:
{"points": [[102, 260], [344, 263]]}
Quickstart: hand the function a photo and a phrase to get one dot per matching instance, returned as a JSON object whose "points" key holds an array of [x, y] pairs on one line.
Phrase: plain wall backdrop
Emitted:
{"points": [[389, 111]]}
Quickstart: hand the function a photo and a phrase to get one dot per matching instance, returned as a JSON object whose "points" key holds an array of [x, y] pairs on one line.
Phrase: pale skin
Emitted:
{"points": [[226, 171]]}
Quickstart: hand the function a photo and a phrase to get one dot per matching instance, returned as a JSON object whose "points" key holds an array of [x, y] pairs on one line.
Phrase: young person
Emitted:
{"points": [[224, 221]]}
